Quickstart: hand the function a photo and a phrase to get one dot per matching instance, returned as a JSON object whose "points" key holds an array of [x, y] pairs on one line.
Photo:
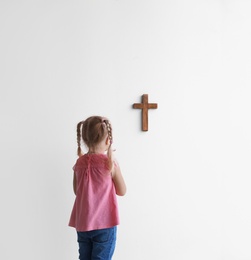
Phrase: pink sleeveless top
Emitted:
{"points": [[95, 206]]}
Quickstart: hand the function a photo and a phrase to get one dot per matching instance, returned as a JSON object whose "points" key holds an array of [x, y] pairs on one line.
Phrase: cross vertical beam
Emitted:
{"points": [[145, 106]]}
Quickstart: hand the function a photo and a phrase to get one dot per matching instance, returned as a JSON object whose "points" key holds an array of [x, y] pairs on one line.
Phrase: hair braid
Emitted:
{"points": [[79, 151], [109, 152]]}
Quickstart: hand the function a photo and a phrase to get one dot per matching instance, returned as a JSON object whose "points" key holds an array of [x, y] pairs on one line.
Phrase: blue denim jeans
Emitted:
{"points": [[97, 244]]}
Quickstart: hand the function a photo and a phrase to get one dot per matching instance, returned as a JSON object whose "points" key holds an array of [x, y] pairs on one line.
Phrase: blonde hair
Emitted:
{"points": [[92, 131]]}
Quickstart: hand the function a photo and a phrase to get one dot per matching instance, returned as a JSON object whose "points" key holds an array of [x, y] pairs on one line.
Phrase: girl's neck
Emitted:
{"points": [[96, 151], [101, 148]]}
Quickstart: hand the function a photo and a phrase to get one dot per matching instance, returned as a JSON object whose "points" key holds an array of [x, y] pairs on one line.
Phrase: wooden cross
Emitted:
{"points": [[145, 106]]}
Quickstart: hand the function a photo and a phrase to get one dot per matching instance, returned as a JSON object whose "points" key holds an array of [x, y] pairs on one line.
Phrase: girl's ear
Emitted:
{"points": [[107, 140]]}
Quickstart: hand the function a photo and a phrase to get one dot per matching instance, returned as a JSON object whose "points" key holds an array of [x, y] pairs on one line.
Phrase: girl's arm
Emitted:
{"points": [[74, 183], [118, 180]]}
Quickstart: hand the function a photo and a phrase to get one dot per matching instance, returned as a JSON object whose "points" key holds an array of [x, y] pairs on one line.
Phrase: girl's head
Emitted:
{"points": [[93, 131]]}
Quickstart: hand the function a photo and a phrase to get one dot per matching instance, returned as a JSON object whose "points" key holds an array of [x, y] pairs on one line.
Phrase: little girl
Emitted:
{"points": [[97, 179]]}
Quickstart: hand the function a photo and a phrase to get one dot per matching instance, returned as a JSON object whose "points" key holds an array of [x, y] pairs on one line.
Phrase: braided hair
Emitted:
{"points": [[92, 131]]}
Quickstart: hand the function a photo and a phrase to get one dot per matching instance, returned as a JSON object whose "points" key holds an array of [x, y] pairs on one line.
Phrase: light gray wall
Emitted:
{"points": [[188, 177]]}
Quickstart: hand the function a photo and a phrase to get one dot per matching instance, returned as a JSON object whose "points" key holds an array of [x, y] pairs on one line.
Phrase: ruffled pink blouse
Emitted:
{"points": [[95, 206]]}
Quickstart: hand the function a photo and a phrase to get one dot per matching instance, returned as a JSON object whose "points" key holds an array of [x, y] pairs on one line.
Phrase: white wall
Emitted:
{"points": [[188, 177]]}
